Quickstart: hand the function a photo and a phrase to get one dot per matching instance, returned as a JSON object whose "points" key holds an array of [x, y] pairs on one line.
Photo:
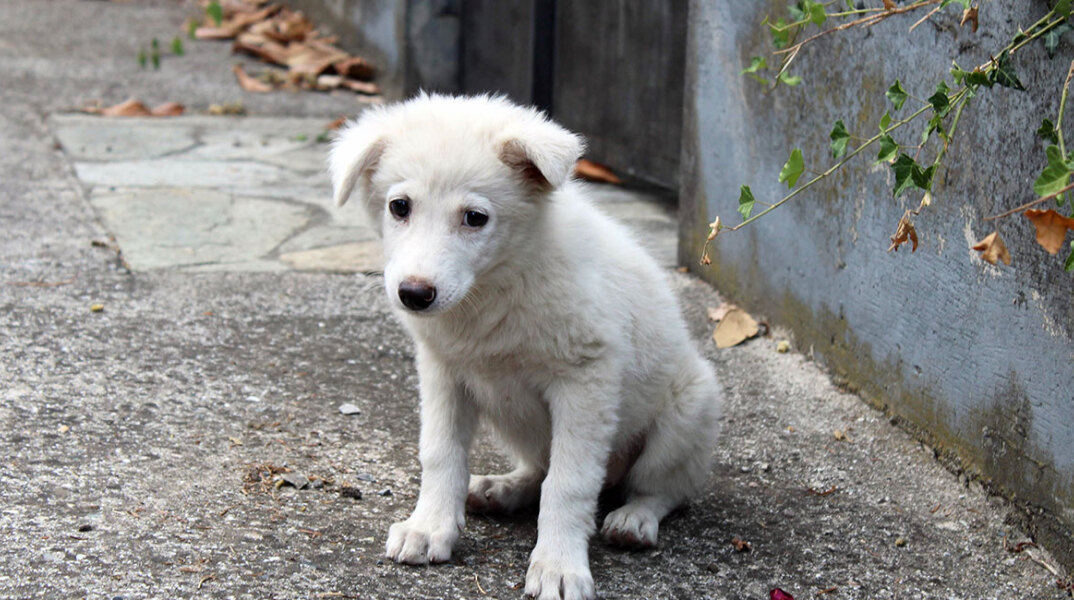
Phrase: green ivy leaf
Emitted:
{"points": [[923, 177], [1068, 266], [1055, 176], [904, 170], [817, 14], [215, 12], [798, 11], [839, 137], [934, 124], [888, 149], [965, 4], [897, 95], [1051, 39], [885, 122], [756, 64], [1047, 132], [780, 36], [1004, 73], [793, 169], [745, 202], [939, 101], [788, 79], [1062, 8]]}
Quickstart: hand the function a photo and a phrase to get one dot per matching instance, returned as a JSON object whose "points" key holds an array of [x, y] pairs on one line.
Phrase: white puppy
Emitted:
{"points": [[534, 311]]}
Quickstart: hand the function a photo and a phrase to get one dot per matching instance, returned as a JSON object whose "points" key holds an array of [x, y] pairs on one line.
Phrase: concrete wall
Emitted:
{"points": [[977, 359], [619, 80], [612, 71]]}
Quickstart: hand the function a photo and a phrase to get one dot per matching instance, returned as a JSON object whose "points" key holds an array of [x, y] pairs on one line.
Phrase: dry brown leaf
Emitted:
{"points": [[970, 14], [312, 58], [263, 48], [334, 125], [903, 233], [362, 87], [741, 545], [889, 4], [717, 313], [841, 436], [992, 249], [355, 67], [168, 109], [1051, 228], [250, 84], [735, 327], [594, 171], [129, 108]]}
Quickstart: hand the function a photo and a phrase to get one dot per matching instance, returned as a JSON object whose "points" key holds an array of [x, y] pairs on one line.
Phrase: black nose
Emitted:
{"points": [[416, 294]]}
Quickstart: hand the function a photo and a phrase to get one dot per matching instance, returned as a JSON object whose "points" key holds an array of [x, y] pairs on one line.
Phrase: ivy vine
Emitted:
{"points": [[938, 115]]}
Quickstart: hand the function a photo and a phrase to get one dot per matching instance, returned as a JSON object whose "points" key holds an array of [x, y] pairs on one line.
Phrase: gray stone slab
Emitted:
{"points": [[178, 173], [356, 257], [160, 228], [322, 236], [101, 139]]}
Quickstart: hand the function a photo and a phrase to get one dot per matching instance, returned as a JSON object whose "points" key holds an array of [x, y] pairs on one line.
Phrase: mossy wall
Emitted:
{"points": [[977, 360]]}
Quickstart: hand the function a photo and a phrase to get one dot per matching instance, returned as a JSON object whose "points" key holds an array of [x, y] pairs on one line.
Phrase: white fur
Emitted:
{"points": [[550, 323]]}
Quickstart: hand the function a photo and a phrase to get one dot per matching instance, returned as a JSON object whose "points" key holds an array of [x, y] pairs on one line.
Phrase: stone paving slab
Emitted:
{"points": [[249, 194]]}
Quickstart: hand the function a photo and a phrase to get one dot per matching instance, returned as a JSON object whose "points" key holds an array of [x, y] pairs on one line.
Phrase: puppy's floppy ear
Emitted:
{"points": [[541, 151], [354, 157]]}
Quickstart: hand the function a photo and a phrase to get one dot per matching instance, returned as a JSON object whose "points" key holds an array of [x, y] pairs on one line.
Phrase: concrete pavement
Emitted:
{"points": [[146, 445]]}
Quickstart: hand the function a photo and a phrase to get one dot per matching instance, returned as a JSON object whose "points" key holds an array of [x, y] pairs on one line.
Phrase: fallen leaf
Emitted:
{"points": [[889, 4], [736, 327], [355, 67], [227, 108], [168, 109], [130, 108], [96, 308], [259, 47], [250, 84], [312, 58], [594, 171], [717, 313], [741, 545], [841, 436], [64, 428], [970, 14], [783, 347], [903, 233], [334, 125], [992, 249], [778, 594], [1051, 228]]}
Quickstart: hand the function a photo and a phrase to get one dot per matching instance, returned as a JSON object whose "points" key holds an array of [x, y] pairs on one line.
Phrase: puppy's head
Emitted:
{"points": [[451, 184]]}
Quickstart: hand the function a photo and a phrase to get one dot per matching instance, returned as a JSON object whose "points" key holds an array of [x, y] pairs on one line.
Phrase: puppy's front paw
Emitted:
{"points": [[558, 576], [419, 541]]}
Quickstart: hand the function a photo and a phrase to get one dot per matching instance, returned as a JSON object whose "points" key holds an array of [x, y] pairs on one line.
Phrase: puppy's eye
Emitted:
{"points": [[473, 218], [400, 208]]}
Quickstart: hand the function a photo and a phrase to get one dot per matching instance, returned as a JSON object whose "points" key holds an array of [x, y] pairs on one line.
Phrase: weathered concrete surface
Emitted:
{"points": [[130, 435], [619, 79], [976, 358]]}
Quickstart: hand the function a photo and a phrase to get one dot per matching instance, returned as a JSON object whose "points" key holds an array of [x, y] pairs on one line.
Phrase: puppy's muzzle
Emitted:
{"points": [[417, 294]]}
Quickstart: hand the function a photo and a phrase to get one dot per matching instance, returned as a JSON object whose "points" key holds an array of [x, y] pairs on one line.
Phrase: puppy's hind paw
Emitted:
{"points": [[633, 527]]}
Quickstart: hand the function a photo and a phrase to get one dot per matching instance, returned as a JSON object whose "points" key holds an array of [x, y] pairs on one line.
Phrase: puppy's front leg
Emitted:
{"points": [[447, 424], [583, 423]]}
